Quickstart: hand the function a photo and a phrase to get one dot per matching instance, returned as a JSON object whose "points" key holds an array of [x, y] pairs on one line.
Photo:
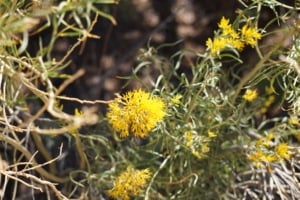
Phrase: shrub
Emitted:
{"points": [[205, 134]]}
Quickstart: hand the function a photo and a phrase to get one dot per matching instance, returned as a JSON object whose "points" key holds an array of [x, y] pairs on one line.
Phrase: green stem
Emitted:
{"points": [[257, 67], [195, 79], [82, 156], [41, 148]]}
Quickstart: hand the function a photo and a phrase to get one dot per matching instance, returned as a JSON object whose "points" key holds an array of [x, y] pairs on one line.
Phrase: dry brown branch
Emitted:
{"points": [[25, 173], [36, 166], [83, 101]]}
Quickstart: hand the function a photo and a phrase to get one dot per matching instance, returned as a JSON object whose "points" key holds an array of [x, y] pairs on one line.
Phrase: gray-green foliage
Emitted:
{"points": [[202, 148]]}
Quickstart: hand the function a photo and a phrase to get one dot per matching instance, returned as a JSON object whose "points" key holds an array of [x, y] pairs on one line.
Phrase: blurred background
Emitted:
{"points": [[183, 24], [141, 24]]}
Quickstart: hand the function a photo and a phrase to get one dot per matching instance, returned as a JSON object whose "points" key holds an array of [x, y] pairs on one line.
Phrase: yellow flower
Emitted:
{"points": [[265, 141], [129, 183], [78, 113], [269, 101], [256, 158], [224, 24], [236, 43], [228, 36], [250, 35], [259, 158], [216, 45], [230, 33], [205, 148], [227, 30], [211, 134], [262, 142], [270, 90], [176, 99], [137, 112], [282, 151], [270, 137], [294, 121], [198, 154], [265, 152], [250, 95], [188, 138]]}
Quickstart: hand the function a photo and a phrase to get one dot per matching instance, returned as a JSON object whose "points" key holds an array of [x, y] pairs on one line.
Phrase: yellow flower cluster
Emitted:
{"points": [[250, 95], [229, 37], [137, 112], [199, 145], [250, 35], [266, 152], [129, 183]]}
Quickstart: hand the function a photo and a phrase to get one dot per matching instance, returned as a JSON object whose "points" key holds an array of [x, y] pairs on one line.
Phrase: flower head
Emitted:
{"points": [[259, 158], [129, 183], [224, 24], [211, 134], [188, 138], [232, 38], [250, 35], [216, 45], [227, 29], [294, 121], [270, 137], [236, 43], [176, 99], [266, 152], [282, 151], [136, 112], [250, 95]]}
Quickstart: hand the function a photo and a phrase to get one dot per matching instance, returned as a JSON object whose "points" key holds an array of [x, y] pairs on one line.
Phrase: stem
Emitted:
{"points": [[195, 79], [41, 148], [154, 176], [82, 156], [28, 155], [257, 67]]}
